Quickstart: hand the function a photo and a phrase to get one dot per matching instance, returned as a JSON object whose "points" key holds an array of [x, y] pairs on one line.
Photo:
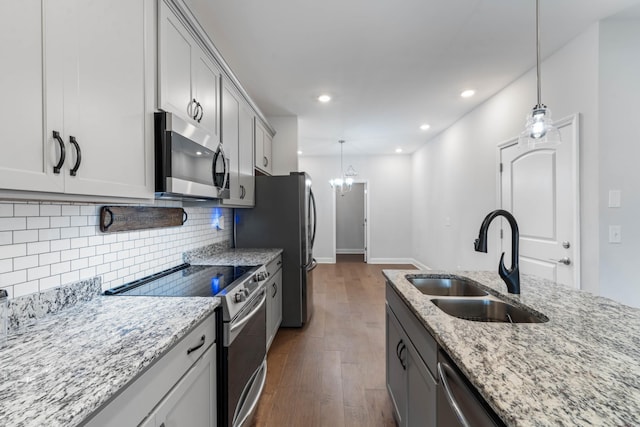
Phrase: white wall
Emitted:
{"points": [[455, 175], [619, 157], [389, 191], [44, 245], [285, 144], [350, 220]]}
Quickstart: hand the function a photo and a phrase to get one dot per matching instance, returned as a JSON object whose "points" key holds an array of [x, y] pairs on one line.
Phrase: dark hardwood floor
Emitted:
{"points": [[332, 371]]}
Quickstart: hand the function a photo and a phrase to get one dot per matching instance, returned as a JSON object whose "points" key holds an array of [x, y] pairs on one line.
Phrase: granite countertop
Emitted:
{"points": [[60, 369], [582, 367], [238, 256]]}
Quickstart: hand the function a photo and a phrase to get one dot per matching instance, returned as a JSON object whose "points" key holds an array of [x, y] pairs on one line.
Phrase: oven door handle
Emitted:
{"points": [[250, 390], [251, 314]]}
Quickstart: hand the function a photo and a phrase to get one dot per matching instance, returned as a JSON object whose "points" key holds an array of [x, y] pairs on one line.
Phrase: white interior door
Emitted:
{"points": [[540, 187]]}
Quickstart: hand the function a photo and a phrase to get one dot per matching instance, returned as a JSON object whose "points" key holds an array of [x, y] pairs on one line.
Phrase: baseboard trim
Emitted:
{"points": [[420, 265], [391, 261], [349, 251], [326, 260]]}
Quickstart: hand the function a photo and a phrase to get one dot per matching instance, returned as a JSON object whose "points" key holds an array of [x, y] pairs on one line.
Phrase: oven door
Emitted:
{"points": [[245, 338]]}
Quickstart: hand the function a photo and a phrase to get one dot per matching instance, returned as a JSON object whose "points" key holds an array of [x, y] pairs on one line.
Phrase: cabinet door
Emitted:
{"points": [[246, 157], [278, 302], [206, 91], [259, 147], [29, 150], [421, 390], [176, 57], [396, 364], [109, 99], [267, 149], [192, 401], [230, 116]]}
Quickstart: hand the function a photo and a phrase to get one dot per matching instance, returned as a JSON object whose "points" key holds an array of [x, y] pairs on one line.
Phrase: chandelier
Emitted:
{"points": [[539, 128], [345, 182]]}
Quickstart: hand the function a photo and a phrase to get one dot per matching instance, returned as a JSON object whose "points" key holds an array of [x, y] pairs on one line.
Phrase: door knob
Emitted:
{"points": [[566, 260]]}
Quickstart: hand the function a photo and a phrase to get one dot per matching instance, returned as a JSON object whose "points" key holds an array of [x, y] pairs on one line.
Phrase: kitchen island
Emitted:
{"points": [[582, 367], [61, 368]]}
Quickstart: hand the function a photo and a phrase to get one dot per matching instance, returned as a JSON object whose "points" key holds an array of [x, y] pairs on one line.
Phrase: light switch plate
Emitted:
{"points": [[615, 197], [615, 234]]}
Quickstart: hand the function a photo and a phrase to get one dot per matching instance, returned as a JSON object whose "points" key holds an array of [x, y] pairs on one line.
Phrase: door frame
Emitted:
{"points": [[367, 223], [573, 121]]}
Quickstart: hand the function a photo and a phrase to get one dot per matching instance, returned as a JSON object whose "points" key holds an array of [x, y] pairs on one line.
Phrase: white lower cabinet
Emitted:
{"points": [[411, 384], [190, 401], [178, 389], [274, 299]]}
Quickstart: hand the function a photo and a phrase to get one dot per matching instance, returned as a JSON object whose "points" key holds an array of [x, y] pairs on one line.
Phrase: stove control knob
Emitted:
{"points": [[261, 275], [239, 296], [245, 292]]}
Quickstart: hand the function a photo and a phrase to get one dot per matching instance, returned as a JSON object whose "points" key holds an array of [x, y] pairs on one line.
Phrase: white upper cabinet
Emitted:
{"points": [[237, 139], [263, 142], [190, 82], [79, 97]]}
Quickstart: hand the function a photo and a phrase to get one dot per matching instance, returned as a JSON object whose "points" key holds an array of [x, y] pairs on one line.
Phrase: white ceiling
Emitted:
{"points": [[390, 65]]}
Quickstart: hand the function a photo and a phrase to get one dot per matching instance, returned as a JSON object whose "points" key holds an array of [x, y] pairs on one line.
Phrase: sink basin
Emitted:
{"points": [[445, 286], [487, 310]]}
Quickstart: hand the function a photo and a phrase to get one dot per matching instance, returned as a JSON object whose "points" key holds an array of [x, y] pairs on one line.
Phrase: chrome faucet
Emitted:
{"points": [[512, 276]]}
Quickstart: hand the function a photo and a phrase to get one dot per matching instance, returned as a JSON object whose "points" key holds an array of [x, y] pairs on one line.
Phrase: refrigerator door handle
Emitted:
{"points": [[312, 202], [313, 264]]}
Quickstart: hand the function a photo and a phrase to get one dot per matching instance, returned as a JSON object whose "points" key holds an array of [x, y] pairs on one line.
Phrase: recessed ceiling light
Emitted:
{"points": [[299, 152], [198, 153], [398, 150], [468, 93], [424, 126], [324, 98]]}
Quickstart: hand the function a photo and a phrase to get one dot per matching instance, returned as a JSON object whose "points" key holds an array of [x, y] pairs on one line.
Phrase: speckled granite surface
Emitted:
{"points": [[60, 369], [241, 256], [580, 368], [26, 310]]}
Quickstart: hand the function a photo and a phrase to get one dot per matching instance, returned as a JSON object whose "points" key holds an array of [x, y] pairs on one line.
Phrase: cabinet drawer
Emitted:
{"points": [[417, 333], [136, 399], [274, 266]]}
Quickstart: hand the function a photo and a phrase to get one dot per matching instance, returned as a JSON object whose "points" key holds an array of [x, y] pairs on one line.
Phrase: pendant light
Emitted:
{"points": [[539, 127], [345, 182]]}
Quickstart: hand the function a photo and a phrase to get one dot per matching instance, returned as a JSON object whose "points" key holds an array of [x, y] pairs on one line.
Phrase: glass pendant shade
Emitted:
{"points": [[539, 129], [344, 183]]}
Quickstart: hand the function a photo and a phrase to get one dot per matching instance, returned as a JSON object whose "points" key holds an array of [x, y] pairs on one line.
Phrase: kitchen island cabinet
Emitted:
{"points": [[581, 367], [79, 96], [274, 299]]}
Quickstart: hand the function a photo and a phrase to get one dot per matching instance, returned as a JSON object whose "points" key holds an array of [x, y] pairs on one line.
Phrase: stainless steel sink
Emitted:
{"points": [[487, 310], [445, 286]]}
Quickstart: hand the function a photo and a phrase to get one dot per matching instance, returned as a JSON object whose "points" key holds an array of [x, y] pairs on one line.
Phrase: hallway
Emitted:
{"points": [[332, 371]]}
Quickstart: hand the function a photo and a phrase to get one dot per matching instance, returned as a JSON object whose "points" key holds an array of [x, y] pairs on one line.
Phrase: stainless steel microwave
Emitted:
{"points": [[189, 163]]}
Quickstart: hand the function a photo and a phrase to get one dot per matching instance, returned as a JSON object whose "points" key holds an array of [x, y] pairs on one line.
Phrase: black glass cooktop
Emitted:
{"points": [[184, 281]]}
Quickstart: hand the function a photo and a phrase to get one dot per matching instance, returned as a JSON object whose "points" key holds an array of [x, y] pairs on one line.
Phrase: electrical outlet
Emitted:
{"points": [[221, 222], [615, 234]]}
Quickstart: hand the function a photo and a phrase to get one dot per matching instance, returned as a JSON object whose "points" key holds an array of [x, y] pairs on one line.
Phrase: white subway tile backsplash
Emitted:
{"points": [[48, 234], [25, 236], [6, 237], [69, 232], [38, 272], [38, 248], [24, 209], [61, 221], [10, 279], [49, 258], [12, 251], [61, 267], [47, 244], [35, 222], [71, 254], [13, 223], [50, 210], [25, 288], [6, 209], [6, 265], [25, 262], [70, 210]]}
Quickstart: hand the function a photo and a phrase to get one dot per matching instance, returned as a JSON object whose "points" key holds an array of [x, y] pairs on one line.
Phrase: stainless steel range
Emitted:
{"points": [[242, 363]]}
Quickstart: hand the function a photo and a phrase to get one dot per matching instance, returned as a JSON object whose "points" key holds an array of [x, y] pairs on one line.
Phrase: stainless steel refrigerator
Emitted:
{"points": [[284, 217]]}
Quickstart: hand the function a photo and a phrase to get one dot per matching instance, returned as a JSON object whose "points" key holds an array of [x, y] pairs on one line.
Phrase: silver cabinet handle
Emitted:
{"points": [[566, 260], [452, 401], [265, 161], [243, 192]]}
